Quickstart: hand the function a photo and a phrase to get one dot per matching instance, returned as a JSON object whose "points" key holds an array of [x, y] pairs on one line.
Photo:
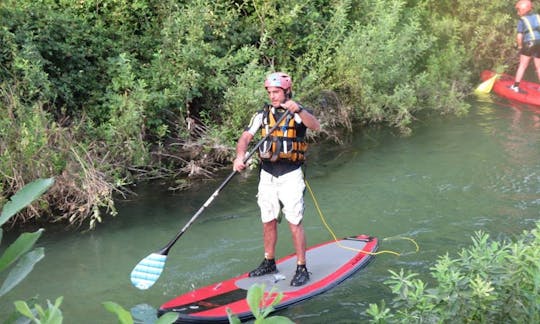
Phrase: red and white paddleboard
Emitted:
{"points": [[328, 263], [529, 92]]}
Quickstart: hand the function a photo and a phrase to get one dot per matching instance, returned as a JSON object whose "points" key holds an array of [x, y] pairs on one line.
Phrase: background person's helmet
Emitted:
{"points": [[280, 80], [524, 5]]}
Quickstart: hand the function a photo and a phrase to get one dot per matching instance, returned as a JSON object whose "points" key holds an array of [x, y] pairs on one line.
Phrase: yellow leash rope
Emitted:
{"points": [[346, 247]]}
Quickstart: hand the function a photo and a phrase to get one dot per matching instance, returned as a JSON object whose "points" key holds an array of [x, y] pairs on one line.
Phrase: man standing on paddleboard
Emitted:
{"points": [[281, 179], [528, 40]]}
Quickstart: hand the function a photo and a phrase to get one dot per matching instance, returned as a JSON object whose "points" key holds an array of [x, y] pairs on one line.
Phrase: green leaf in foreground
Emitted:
{"points": [[167, 318], [22, 307], [254, 297], [124, 317], [51, 315], [22, 269], [24, 197], [23, 244]]}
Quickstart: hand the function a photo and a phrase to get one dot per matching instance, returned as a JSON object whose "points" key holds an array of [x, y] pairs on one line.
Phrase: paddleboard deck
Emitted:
{"points": [[328, 263], [529, 92]]}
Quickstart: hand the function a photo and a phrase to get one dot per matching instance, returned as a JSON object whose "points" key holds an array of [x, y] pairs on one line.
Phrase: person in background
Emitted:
{"points": [[528, 40], [281, 179]]}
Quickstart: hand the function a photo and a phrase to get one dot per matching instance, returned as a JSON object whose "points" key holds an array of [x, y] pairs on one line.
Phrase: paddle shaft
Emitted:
{"points": [[166, 248]]}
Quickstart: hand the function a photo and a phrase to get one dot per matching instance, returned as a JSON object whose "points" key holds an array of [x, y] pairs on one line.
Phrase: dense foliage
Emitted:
{"points": [[103, 93], [489, 282]]}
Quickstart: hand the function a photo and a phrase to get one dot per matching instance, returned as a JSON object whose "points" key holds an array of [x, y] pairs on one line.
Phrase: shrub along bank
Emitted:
{"points": [[100, 94], [489, 282]]}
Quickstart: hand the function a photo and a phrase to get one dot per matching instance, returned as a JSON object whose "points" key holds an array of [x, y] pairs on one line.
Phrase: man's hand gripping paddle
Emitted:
{"points": [[148, 270]]}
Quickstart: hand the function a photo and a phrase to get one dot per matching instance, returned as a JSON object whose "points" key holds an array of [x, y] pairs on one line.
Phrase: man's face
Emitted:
{"points": [[276, 96], [521, 11]]}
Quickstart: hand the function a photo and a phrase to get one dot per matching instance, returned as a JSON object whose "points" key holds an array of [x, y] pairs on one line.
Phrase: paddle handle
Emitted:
{"points": [[166, 248]]}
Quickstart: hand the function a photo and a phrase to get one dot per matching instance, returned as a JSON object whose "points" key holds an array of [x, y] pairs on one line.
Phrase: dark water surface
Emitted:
{"points": [[452, 177]]}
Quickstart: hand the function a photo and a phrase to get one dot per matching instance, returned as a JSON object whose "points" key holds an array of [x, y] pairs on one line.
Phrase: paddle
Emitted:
{"points": [[148, 270], [486, 86]]}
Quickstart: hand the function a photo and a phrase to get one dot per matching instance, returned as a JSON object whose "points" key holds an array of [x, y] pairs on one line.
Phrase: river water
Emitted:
{"points": [[453, 176]]}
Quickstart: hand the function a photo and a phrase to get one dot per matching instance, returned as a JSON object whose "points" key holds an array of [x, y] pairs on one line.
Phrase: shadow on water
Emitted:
{"points": [[453, 176]]}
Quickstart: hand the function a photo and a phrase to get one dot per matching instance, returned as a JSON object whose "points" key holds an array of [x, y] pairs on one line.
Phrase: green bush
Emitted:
{"points": [[121, 91], [490, 282]]}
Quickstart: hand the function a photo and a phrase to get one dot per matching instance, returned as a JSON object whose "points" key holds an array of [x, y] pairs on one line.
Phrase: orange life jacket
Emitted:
{"points": [[283, 143]]}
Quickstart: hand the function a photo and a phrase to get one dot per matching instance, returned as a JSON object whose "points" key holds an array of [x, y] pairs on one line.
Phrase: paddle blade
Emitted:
{"points": [[148, 270], [486, 86]]}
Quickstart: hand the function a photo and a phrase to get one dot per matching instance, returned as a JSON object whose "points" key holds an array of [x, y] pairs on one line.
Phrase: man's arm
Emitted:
{"points": [[241, 149], [307, 118]]}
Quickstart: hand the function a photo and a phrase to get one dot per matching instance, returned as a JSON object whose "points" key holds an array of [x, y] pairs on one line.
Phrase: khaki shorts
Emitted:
{"points": [[289, 189]]}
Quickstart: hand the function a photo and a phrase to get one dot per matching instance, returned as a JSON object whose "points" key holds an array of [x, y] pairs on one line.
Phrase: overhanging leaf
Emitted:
{"points": [[167, 318], [22, 307], [123, 315], [233, 319], [22, 269], [24, 197], [54, 313], [254, 298], [23, 244]]}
